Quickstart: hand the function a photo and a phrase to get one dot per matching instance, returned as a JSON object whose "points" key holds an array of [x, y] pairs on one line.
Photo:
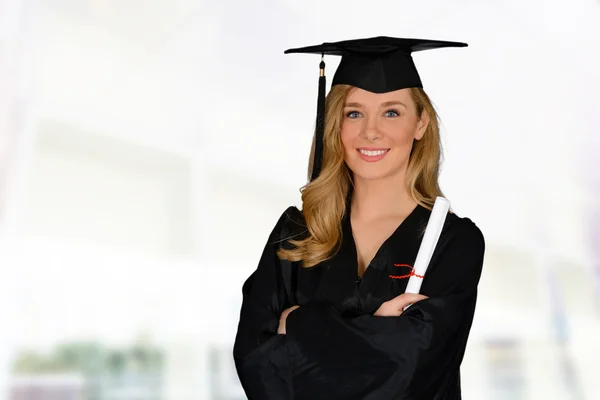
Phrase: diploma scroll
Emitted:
{"points": [[430, 239]]}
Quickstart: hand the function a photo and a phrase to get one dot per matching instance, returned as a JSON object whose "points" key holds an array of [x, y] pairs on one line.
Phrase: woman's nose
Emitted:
{"points": [[370, 130]]}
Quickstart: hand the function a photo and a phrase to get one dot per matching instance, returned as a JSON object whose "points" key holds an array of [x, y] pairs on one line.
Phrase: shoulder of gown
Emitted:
{"points": [[465, 232], [291, 225], [459, 255]]}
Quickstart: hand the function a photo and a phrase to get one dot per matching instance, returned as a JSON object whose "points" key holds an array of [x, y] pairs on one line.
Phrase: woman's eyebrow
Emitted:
{"points": [[393, 103], [386, 104]]}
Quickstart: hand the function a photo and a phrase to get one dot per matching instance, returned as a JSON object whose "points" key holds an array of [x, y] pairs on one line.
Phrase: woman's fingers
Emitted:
{"points": [[287, 311], [406, 299], [282, 319]]}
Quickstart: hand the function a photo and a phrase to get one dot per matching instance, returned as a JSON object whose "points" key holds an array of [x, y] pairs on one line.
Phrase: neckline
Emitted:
{"points": [[353, 251]]}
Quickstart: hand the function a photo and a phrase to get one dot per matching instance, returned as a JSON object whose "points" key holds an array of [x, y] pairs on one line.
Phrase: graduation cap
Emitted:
{"points": [[380, 64]]}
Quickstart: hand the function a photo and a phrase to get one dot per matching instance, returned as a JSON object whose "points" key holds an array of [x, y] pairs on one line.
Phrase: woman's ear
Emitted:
{"points": [[422, 125]]}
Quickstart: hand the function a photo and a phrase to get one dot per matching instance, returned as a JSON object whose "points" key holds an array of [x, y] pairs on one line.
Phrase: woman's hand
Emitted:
{"points": [[284, 314], [395, 306]]}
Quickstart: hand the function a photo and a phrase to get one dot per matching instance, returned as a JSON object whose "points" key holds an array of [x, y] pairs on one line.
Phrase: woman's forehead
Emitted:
{"points": [[358, 95]]}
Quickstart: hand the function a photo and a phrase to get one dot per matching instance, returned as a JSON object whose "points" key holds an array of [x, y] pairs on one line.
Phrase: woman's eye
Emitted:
{"points": [[353, 114], [392, 113]]}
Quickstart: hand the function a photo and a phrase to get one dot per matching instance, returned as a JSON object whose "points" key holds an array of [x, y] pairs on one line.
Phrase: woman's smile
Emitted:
{"points": [[372, 154]]}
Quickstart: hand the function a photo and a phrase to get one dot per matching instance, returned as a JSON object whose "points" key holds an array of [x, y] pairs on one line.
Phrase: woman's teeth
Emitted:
{"points": [[372, 152]]}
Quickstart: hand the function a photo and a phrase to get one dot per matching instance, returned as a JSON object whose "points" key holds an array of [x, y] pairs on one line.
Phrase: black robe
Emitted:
{"points": [[335, 348]]}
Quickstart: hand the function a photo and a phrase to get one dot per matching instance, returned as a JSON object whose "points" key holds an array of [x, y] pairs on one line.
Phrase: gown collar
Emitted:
{"points": [[407, 229]]}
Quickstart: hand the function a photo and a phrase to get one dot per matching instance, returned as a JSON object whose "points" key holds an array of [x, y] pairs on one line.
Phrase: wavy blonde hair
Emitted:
{"points": [[324, 199]]}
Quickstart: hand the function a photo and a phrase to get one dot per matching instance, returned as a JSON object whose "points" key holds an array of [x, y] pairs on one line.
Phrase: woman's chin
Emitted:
{"points": [[371, 175]]}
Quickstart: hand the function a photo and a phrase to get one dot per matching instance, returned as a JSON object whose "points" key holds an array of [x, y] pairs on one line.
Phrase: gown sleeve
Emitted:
{"points": [[413, 356], [259, 353]]}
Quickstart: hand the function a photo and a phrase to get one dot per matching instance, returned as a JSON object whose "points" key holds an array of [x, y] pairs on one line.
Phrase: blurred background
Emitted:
{"points": [[147, 148]]}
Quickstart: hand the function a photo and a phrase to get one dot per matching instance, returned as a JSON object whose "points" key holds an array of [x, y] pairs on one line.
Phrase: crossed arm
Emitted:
{"points": [[390, 308]]}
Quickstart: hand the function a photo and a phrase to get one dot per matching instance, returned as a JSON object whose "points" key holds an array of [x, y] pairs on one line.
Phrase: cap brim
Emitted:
{"points": [[379, 44]]}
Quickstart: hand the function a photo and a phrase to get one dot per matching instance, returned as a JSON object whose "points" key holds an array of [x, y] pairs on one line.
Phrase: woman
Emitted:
{"points": [[322, 315]]}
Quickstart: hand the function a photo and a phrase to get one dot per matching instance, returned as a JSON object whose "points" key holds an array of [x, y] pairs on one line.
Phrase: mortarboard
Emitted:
{"points": [[380, 64]]}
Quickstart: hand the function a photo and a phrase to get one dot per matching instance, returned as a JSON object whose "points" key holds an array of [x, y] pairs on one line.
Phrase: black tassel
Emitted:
{"points": [[320, 129]]}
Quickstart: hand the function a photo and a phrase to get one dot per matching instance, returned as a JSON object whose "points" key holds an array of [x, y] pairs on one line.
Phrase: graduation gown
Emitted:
{"points": [[335, 348]]}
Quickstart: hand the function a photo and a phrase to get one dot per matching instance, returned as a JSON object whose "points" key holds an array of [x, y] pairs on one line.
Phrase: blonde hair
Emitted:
{"points": [[324, 199]]}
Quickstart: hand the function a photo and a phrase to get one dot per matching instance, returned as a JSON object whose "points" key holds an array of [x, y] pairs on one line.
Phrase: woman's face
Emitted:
{"points": [[378, 131]]}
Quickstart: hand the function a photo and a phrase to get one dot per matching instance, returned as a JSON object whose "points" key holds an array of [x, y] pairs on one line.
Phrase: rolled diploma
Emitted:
{"points": [[430, 239]]}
